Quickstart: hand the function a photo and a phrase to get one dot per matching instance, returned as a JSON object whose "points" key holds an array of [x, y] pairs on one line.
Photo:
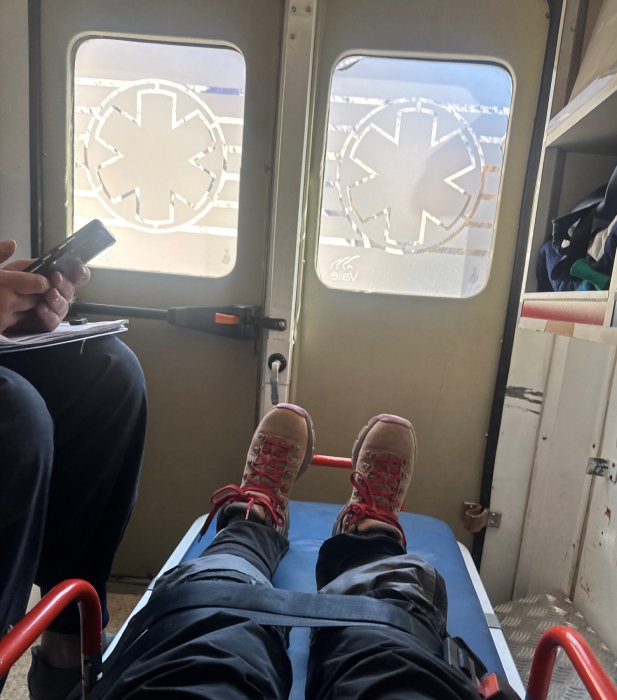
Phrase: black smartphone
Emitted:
{"points": [[81, 247]]}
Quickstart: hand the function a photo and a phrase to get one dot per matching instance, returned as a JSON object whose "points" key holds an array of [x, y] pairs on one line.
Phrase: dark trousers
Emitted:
{"points": [[72, 425], [205, 653]]}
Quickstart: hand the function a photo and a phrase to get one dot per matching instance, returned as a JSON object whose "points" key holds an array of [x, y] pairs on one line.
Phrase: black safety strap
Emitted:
{"points": [[275, 606], [279, 607]]}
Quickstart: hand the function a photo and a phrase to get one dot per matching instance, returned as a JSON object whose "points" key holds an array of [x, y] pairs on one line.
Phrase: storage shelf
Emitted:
{"points": [[589, 121]]}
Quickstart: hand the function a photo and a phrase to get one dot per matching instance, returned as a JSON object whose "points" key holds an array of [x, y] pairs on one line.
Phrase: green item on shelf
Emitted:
{"points": [[584, 271]]}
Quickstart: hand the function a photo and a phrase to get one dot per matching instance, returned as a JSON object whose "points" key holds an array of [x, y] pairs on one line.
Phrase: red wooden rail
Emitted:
{"points": [[21, 637], [595, 678]]}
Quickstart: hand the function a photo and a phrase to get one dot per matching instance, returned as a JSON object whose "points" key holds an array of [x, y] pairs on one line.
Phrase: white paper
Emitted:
{"points": [[64, 333]]}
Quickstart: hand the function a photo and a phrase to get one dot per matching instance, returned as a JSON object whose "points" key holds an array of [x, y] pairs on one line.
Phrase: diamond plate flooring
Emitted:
{"points": [[523, 623]]}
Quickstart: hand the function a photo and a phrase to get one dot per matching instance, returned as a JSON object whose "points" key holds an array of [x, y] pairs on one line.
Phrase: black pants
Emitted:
{"points": [[72, 424], [205, 653]]}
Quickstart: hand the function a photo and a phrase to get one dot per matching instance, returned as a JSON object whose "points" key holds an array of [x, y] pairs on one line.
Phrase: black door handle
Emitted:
{"points": [[238, 321]]}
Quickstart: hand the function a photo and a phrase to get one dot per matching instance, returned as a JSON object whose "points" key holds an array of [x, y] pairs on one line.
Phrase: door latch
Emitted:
{"points": [[277, 364], [238, 321], [476, 517], [243, 322]]}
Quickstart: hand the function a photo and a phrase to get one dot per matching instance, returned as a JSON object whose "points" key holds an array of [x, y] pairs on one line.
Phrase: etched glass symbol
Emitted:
{"points": [[413, 162], [157, 152], [155, 155]]}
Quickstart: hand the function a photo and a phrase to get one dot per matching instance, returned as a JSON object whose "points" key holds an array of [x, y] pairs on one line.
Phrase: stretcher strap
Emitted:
{"points": [[279, 607], [275, 606]]}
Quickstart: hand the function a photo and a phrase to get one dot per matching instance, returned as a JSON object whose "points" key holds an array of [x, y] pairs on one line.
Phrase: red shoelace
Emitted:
{"points": [[269, 465], [378, 492]]}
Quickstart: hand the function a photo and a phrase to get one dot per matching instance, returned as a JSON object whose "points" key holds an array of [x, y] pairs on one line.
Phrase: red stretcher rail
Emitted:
{"points": [[336, 463], [594, 677], [25, 632], [327, 461], [21, 637]]}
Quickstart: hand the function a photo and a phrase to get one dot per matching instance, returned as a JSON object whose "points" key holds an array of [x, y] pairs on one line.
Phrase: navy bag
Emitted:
{"points": [[571, 237]]}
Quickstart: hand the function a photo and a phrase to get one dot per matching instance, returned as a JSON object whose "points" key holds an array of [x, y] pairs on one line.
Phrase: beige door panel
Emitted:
{"points": [[433, 360], [202, 388]]}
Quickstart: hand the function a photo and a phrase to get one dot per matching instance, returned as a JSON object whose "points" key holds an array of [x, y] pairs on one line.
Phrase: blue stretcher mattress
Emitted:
{"points": [[429, 538]]}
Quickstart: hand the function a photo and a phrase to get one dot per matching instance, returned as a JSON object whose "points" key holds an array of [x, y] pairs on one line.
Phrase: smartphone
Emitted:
{"points": [[81, 247]]}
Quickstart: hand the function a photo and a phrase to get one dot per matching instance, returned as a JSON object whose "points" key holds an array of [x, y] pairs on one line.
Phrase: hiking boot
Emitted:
{"points": [[383, 457], [280, 452]]}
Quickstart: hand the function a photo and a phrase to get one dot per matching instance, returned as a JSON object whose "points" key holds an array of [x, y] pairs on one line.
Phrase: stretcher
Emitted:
{"points": [[470, 614]]}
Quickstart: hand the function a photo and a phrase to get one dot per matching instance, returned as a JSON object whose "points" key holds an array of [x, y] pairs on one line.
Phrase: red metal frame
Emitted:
{"points": [[336, 463], [25, 632], [327, 461], [595, 678], [21, 637]]}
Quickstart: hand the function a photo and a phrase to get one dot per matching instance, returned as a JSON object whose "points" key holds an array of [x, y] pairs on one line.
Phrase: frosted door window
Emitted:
{"points": [[157, 153], [412, 173]]}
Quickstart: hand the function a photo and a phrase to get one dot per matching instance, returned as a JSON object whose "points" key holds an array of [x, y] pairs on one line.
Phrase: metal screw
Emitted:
{"points": [[292, 36], [309, 9], [293, 8]]}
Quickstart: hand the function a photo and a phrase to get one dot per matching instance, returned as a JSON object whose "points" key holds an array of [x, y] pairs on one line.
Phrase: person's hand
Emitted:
{"points": [[20, 292], [30, 301]]}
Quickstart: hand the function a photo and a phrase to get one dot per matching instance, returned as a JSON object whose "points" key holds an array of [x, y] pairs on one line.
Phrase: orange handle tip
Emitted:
{"points": [[226, 319]]}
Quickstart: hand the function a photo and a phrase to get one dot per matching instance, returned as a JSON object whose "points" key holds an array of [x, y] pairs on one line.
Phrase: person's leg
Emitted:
{"points": [[190, 651], [95, 394], [26, 451], [367, 556]]}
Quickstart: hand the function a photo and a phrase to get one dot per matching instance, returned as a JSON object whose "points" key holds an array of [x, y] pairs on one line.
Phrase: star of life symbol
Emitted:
{"points": [[409, 176], [155, 155]]}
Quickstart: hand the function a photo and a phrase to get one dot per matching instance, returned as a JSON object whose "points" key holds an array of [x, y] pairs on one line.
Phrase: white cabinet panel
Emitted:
{"points": [[596, 584], [514, 460], [570, 432]]}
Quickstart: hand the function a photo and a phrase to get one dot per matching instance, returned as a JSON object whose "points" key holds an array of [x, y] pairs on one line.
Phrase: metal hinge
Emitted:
{"points": [[476, 517], [598, 466]]}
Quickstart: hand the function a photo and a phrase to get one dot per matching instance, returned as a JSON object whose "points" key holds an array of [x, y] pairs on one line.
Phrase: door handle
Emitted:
{"points": [[238, 321], [277, 364]]}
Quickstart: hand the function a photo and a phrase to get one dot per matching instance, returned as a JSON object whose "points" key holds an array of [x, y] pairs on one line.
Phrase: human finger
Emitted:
{"points": [[23, 282], [77, 272], [19, 265], [12, 303], [82, 276], [15, 307], [48, 317], [63, 285], [7, 248], [57, 303]]}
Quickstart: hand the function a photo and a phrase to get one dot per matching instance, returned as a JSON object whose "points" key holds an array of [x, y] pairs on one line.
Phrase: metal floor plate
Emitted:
{"points": [[523, 622]]}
